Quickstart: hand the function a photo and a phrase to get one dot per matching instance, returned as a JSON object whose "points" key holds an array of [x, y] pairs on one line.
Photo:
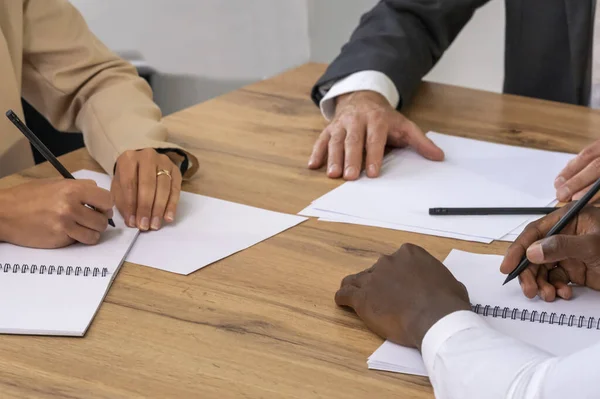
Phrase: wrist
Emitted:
{"points": [[429, 317], [4, 218], [361, 96]]}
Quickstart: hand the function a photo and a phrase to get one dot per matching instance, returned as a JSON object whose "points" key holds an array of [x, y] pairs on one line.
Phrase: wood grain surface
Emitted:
{"points": [[262, 323]]}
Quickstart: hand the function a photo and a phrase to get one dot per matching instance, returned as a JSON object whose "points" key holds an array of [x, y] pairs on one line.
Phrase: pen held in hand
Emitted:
{"points": [[557, 228], [46, 153]]}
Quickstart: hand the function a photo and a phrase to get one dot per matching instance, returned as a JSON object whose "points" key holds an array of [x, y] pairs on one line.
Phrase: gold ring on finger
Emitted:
{"points": [[163, 172]]}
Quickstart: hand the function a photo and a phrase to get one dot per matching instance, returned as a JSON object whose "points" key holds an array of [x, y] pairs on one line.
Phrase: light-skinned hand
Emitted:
{"points": [[52, 213], [365, 122], [579, 174], [145, 199]]}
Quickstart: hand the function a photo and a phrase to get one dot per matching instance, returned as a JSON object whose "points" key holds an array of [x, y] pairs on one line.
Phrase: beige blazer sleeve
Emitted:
{"points": [[78, 84]]}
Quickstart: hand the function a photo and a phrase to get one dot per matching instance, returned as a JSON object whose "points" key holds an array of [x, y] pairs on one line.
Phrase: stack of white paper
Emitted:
{"points": [[474, 174]]}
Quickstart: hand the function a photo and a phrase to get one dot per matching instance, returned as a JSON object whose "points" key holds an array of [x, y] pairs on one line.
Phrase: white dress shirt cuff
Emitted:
{"points": [[359, 81], [443, 330]]}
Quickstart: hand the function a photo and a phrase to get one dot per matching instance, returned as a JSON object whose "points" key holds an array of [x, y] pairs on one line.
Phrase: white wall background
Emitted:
{"points": [[208, 47], [204, 48]]}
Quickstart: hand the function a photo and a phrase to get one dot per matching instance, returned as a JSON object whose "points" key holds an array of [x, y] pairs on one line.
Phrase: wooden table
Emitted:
{"points": [[262, 323]]}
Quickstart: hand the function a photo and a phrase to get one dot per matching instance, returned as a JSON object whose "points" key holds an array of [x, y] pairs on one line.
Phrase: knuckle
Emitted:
{"points": [[409, 248], [353, 138], [337, 138], [347, 119], [129, 155], [70, 189], [595, 164], [586, 153], [149, 153], [376, 138], [64, 210]]}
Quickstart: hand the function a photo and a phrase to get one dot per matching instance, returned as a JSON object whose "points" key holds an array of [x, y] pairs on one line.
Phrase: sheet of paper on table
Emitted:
{"points": [[206, 230], [474, 174]]}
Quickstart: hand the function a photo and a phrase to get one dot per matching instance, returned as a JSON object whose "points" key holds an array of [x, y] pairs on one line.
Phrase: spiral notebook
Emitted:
{"points": [[560, 327], [59, 291]]}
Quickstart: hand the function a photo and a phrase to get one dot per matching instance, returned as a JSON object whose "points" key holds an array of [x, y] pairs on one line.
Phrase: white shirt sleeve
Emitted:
{"points": [[359, 81], [466, 358]]}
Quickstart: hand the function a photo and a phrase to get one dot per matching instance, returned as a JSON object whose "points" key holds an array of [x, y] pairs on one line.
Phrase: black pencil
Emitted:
{"points": [[490, 211], [46, 153], [561, 224]]}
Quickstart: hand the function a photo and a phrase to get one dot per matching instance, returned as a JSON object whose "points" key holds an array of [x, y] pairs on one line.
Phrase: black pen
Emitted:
{"points": [[490, 211], [561, 224], [37, 143]]}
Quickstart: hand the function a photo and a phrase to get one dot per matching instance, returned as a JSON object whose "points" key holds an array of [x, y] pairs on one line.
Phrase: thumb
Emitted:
{"points": [[414, 137], [560, 247]]}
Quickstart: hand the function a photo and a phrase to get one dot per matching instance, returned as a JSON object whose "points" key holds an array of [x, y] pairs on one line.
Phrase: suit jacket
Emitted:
{"points": [[49, 57], [547, 52]]}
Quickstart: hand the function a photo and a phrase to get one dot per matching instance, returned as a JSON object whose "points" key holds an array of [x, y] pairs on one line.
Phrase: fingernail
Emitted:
{"points": [[563, 292], [350, 172], [542, 294], [169, 217], [559, 181], [332, 169], [563, 193], [131, 221], [145, 223], [535, 253], [372, 170], [155, 223]]}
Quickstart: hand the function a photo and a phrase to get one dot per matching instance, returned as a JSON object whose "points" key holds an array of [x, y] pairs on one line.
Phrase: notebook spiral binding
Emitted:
{"points": [[54, 270], [533, 316]]}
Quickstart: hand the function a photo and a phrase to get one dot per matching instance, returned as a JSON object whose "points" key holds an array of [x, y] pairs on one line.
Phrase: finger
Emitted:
{"points": [[335, 150], [97, 197], [588, 175], [319, 152], [527, 279], [347, 296], [126, 187], [171, 209], [163, 192], [577, 164], [533, 232], [414, 137], [560, 247], [546, 291], [375, 145], [91, 219], [577, 196], [354, 145], [560, 280], [82, 234], [146, 189]]}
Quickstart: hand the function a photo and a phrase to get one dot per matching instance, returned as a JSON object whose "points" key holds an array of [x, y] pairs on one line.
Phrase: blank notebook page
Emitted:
{"points": [[481, 275], [62, 292]]}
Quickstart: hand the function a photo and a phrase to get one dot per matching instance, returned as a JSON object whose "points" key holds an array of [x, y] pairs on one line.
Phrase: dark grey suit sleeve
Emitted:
{"points": [[402, 39]]}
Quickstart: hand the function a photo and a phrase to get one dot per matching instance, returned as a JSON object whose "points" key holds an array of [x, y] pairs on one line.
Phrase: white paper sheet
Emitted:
{"points": [[206, 230], [474, 174], [480, 274], [331, 217]]}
